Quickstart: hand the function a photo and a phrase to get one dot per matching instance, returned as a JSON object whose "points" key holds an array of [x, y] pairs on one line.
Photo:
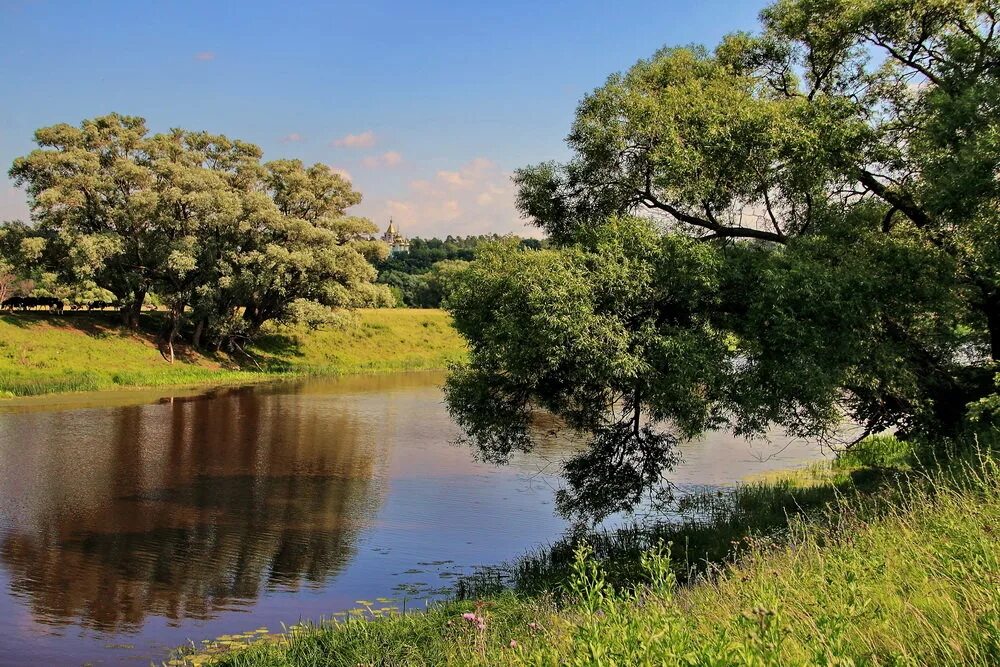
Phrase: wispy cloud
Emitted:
{"points": [[387, 159], [205, 56], [291, 138], [365, 139]]}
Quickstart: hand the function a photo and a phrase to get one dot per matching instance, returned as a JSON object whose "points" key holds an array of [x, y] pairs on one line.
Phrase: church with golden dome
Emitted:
{"points": [[397, 242]]}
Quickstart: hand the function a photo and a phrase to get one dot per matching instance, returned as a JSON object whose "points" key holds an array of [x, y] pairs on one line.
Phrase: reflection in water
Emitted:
{"points": [[184, 508], [129, 521]]}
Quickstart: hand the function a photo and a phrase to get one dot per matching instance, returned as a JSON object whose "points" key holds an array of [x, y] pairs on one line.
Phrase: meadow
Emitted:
{"points": [[877, 558], [42, 353]]}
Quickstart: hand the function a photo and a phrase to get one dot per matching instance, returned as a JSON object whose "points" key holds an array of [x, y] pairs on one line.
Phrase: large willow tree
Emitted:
{"points": [[227, 241], [802, 225]]}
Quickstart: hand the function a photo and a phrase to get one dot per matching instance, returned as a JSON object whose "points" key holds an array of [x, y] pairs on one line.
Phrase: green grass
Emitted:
{"points": [[901, 569], [42, 354], [398, 339], [709, 527]]}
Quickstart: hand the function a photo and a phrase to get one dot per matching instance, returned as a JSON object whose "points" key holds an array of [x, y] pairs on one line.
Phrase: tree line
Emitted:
{"points": [[425, 275], [797, 228], [225, 241]]}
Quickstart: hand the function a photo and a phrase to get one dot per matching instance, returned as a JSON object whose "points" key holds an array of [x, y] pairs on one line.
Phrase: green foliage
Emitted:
{"points": [[429, 289], [823, 252], [439, 283], [219, 236], [593, 333], [425, 253], [629, 329], [985, 413], [876, 451], [423, 276]]}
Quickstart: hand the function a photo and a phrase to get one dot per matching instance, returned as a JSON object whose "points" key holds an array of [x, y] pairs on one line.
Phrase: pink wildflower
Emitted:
{"points": [[513, 643]]}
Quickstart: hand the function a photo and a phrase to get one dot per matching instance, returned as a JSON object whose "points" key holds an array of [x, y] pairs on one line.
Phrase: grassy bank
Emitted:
{"points": [[41, 354], [709, 528], [852, 563]]}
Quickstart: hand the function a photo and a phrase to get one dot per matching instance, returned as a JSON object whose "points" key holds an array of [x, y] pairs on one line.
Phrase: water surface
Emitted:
{"points": [[131, 522]]}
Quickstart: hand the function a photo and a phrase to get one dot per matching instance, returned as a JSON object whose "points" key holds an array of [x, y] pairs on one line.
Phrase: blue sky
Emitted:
{"points": [[427, 106]]}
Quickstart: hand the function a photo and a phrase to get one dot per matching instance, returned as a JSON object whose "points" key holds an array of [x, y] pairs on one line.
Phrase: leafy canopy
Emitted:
{"points": [[801, 225], [224, 239]]}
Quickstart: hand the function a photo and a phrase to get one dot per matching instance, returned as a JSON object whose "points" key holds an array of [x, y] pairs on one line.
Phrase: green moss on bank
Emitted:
{"points": [[41, 354]]}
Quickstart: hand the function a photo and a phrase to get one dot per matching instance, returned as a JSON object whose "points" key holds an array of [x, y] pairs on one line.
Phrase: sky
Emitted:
{"points": [[428, 107]]}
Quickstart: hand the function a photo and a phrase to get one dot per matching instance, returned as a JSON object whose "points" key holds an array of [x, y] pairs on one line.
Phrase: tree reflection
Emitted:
{"points": [[186, 508]]}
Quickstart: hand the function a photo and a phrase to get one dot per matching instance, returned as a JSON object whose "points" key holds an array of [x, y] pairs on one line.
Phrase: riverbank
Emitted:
{"points": [[44, 354], [863, 561]]}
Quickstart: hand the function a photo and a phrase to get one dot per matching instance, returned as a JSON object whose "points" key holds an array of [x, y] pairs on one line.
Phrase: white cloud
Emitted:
{"points": [[205, 56], [365, 139], [476, 198], [13, 204], [387, 159], [291, 138]]}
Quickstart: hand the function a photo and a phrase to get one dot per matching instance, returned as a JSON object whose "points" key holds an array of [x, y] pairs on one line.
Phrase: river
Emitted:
{"points": [[135, 522]]}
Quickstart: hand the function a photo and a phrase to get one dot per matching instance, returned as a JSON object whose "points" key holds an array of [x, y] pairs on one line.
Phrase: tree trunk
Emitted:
{"points": [[132, 309], [255, 318], [168, 334], [175, 325], [198, 331]]}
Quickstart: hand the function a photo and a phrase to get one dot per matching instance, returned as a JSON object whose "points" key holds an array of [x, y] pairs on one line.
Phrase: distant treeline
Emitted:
{"points": [[423, 277]]}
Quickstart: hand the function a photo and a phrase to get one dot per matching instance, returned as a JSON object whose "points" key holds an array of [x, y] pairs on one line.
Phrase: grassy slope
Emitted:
{"points": [[903, 573], [42, 354]]}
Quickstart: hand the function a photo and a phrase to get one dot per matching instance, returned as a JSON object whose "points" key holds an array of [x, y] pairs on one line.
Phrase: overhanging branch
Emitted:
{"points": [[718, 229], [901, 201]]}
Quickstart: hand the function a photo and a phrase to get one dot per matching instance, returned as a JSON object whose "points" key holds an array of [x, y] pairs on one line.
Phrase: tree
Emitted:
{"points": [[227, 242], [408, 286], [296, 245], [833, 178], [89, 191], [204, 188], [594, 333], [439, 283], [20, 259], [8, 280]]}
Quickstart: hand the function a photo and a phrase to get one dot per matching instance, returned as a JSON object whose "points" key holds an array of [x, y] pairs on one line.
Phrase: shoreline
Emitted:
{"points": [[131, 395], [849, 486], [86, 354]]}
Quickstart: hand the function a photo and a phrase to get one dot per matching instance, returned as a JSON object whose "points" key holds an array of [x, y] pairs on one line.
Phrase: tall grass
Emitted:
{"points": [[41, 354], [905, 574]]}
